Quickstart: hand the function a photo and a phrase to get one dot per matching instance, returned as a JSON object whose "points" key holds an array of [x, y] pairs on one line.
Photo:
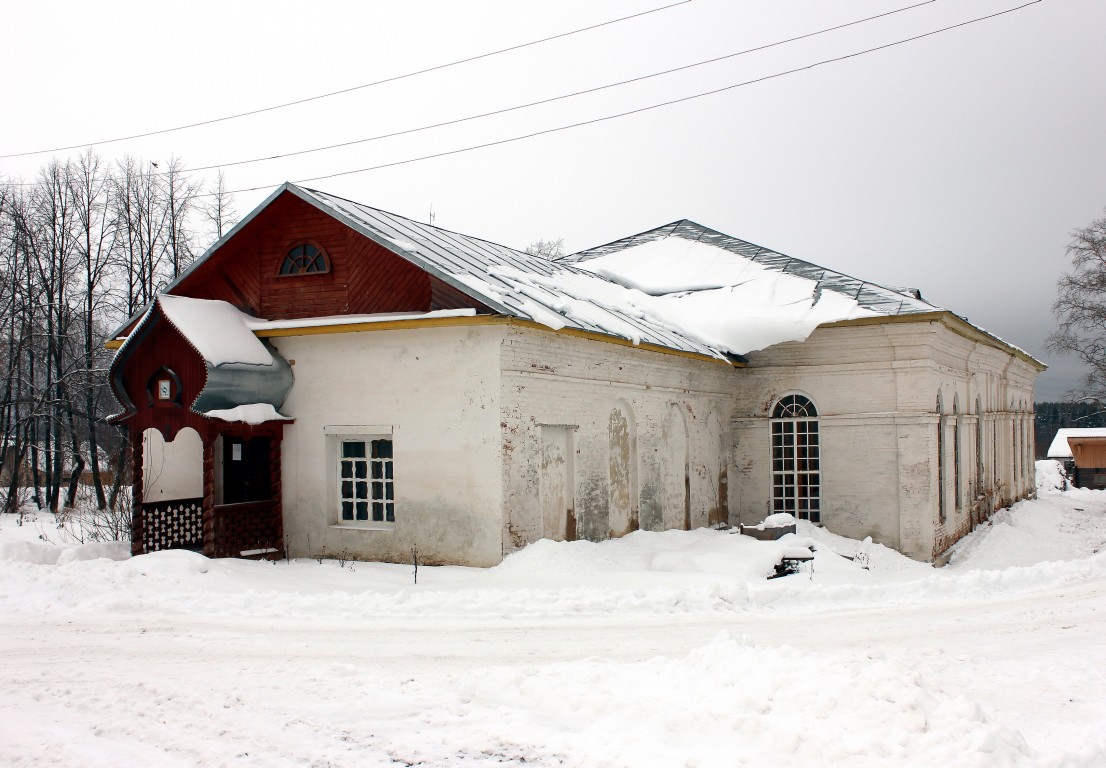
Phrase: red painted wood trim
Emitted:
{"points": [[211, 546], [138, 531]]}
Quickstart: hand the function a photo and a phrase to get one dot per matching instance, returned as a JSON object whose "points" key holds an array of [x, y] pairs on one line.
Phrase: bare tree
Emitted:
{"points": [[1080, 306], [22, 304], [95, 244], [219, 208], [139, 209], [82, 247], [52, 236], [547, 249], [179, 196], [12, 294]]}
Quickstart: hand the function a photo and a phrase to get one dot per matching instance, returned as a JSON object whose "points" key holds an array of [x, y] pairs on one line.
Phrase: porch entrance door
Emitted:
{"points": [[246, 470]]}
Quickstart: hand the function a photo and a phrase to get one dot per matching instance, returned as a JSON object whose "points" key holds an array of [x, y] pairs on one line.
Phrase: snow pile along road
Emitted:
{"points": [[732, 698]]}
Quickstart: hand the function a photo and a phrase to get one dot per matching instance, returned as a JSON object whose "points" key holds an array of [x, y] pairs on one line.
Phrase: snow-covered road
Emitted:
{"points": [[662, 654]]}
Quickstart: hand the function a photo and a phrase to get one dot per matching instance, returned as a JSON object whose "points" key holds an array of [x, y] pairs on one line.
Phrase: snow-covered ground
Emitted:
{"points": [[658, 649]]}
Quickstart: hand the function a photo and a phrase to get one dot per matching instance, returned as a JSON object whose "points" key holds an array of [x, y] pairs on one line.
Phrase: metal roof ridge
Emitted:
{"points": [[413, 221], [577, 257]]}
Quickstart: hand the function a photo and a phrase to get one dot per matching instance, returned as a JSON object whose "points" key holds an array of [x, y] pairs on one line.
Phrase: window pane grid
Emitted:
{"points": [[303, 260], [796, 460], [366, 486]]}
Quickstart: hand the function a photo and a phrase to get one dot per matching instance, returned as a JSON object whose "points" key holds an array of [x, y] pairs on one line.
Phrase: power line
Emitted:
{"points": [[552, 99], [645, 108], [544, 101], [327, 95]]}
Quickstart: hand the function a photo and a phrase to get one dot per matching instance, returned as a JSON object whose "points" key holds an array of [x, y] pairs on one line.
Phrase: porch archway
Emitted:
{"points": [[170, 485]]}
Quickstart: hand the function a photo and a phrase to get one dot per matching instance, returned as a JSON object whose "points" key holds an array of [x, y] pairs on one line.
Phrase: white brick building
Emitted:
{"points": [[461, 399]]}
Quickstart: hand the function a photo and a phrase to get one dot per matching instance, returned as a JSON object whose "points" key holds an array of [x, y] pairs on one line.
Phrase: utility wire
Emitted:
{"points": [[646, 108], [327, 95], [562, 97], [552, 99]]}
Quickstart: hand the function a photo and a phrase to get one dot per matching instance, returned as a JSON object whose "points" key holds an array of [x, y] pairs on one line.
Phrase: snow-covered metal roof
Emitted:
{"points": [[681, 287], [872, 296], [508, 281]]}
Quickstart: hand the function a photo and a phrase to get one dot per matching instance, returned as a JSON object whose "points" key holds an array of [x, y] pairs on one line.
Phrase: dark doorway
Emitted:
{"points": [[246, 470]]}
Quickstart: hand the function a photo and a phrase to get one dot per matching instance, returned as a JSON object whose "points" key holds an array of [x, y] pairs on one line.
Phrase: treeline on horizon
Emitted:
{"points": [[83, 246]]}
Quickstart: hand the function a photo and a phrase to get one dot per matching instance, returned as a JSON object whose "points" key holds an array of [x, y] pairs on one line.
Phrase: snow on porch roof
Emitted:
{"points": [[218, 331], [241, 369], [1060, 449]]}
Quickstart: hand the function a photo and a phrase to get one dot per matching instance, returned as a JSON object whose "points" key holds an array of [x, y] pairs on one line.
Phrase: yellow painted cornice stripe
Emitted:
{"points": [[953, 322], [383, 325], [468, 320], [471, 320]]}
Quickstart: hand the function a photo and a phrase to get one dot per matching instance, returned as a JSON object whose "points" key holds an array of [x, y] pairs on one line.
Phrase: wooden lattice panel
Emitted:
{"points": [[249, 527], [176, 524]]}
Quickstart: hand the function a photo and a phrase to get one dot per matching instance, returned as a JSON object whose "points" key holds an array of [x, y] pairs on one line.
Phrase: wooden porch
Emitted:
{"points": [[237, 527]]}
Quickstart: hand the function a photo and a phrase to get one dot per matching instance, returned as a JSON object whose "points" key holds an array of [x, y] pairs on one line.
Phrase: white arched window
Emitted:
{"points": [[796, 459]]}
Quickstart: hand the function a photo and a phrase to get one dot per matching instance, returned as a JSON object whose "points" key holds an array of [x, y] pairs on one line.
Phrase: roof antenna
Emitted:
{"points": [[432, 214]]}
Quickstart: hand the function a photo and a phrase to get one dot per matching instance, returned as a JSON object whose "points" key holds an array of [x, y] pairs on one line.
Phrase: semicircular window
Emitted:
{"points": [[304, 259]]}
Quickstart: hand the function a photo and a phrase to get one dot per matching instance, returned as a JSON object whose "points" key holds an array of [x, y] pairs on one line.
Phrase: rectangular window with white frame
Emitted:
{"points": [[363, 486]]}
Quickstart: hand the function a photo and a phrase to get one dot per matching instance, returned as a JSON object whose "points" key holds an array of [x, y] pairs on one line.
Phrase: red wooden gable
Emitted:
{"points": [[364, 277], [160, 353]]}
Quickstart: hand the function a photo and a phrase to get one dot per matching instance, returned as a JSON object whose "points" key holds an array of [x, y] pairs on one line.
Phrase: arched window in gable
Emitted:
{"points": [[305, 259], [796, 459]]}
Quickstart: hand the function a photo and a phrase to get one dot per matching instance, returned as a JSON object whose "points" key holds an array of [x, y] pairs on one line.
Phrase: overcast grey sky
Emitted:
{"points": [[957, 164]]}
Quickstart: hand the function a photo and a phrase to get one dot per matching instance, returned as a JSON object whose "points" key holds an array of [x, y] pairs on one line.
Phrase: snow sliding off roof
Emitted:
{"points": [[740, 296], [681, 286]]}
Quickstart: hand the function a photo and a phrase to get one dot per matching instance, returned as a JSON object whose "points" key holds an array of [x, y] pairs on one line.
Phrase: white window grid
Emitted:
{"points": [[366, 485], [796, 460]]}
